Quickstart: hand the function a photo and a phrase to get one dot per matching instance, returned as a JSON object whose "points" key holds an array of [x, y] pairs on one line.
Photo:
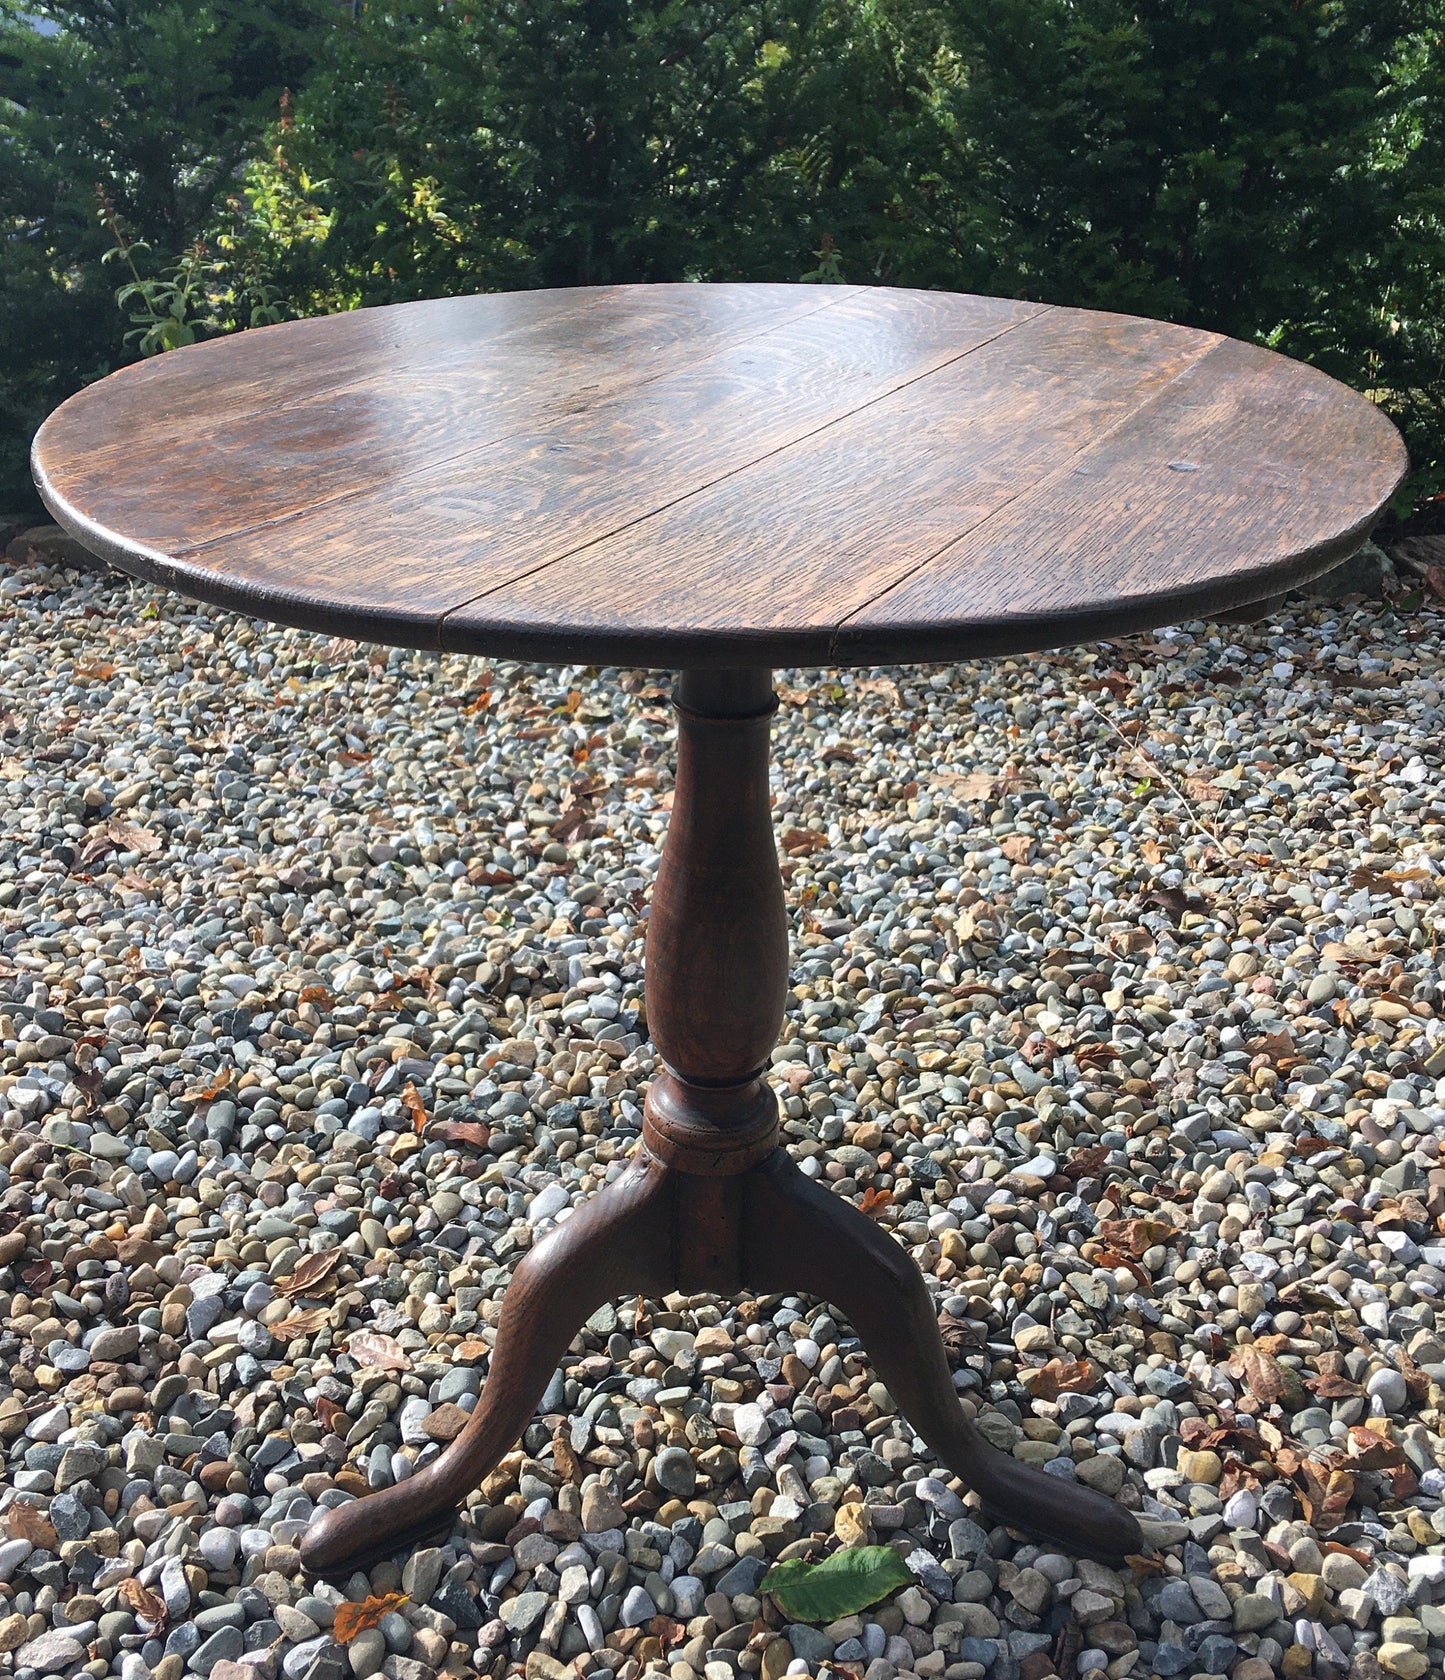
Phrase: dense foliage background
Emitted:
{"points": [[1269, 168]]}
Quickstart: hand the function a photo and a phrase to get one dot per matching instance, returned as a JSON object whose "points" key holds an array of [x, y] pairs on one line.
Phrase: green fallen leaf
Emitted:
{"points": [[848, 1581]]}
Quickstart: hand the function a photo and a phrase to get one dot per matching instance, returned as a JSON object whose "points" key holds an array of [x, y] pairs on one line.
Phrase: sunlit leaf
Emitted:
{"points": [[142, 1600], [27, 1522], [1061, 1376], [311, 1272], [840, 1585], [304, 1323], [351, 1619], [371, 1347], [415, 1107]]}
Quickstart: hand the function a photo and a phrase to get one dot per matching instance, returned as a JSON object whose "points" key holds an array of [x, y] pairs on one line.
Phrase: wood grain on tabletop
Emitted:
{"points": [[721, 474]]}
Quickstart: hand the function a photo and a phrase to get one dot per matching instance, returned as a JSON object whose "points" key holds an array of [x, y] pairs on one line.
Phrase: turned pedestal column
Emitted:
{"points": [[709, 1202]]}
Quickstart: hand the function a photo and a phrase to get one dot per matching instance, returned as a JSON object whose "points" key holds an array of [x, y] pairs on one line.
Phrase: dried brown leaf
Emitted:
{"points": [[1331, 1386], [1062, 1376], [351, 1618], [210, 1090], [304, 1323], [466, 1131], [312, 1271], [1260, 1373], [131, 837], [142, 1600], [415, 1107], [1087, 1163], [972, 788], [1039, 1051], [1136, 1236], [27, 1522], [669, 1632], [1111, 682], [799, 842], [1325, 1492], [1143, 1567], [1171, 901], [1370, 1450], [1111, 1260], [480, 875], [95, 845], [90, 1083], [371, 1347], [1272, 1045], [1417, 1383], [1306, 1146]]}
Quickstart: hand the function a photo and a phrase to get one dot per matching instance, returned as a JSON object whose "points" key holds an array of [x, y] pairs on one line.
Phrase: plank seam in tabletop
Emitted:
{"points": [[1238, 586], [1064, 467], [707, 475], [521, 609], [733, 472], [623, 386], [319, 602], [886, 387]]}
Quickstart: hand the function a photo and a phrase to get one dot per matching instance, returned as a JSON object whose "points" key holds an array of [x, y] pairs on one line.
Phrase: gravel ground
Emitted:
{"points": [[1116, 1000]]}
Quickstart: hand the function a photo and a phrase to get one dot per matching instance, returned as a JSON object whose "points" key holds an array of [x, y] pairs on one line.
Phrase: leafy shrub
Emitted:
{"points": [[571, 142], [1268, 168], [155, 102], [1265, 168]]}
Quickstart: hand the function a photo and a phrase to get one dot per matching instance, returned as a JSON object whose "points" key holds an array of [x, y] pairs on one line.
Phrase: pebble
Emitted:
{"points": [[423, 1572], [51, 1653], [367, 1652], [1241, 1509], [1151, 1071], [601, 1510], [676, 1472], [1388, 1389]]}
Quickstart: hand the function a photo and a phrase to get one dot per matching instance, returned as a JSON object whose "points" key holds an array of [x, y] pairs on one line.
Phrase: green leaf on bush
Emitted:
{"points": [[850, 1580]]}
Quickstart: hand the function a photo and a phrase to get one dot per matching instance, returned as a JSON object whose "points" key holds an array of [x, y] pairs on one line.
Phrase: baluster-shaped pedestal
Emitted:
{"points": [[709, 1202]]}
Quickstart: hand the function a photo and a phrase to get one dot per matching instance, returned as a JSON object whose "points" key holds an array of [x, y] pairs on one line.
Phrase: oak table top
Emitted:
{"points": [[721, 475]]}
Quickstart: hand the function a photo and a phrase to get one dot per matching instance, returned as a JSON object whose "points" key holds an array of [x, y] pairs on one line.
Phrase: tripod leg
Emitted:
{"points": [[619, 1243], [801, 1236]]}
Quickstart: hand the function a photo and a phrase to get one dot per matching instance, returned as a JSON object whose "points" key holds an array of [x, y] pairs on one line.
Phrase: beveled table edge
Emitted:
{"points": [[844, 645]]}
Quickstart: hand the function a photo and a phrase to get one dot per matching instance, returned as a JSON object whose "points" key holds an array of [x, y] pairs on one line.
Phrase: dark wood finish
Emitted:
{"points": [[721, 478], [717, 942], [607, 1248], [1200, 490], [709, 1202], [770, 1229], [717, 476], [797, 1235]]}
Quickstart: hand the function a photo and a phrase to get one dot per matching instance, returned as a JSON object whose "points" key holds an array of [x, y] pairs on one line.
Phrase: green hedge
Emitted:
{"points": [[1271, 169]]}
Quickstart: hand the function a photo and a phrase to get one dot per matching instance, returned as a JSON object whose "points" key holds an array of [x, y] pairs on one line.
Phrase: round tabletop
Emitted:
{"points": [[718, 475]]}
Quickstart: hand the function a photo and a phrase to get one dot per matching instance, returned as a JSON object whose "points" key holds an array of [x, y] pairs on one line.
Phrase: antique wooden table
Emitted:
{"points": [[720, 480]]}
